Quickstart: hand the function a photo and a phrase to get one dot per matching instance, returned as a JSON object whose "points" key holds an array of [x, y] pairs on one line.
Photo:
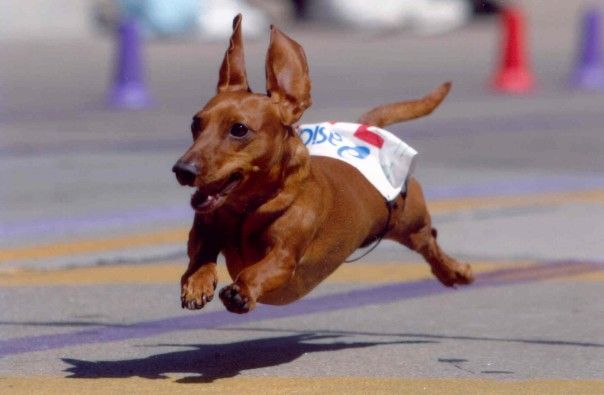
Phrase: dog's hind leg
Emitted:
{"points": [[446, 269], [412, 226]]}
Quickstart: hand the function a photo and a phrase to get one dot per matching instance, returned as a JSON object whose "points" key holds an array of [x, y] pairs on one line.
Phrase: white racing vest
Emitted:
{"points": [[384, 159]]}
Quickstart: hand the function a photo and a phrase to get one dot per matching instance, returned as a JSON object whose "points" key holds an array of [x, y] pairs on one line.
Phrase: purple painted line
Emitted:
{"points": [[182, 213], [519, 186], [352, 299], [93, 146], [80, 111], [425, 130], [550, 122], [76, 225]]}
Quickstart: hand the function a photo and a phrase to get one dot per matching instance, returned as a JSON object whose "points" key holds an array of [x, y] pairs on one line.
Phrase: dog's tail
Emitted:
{"points": [[388, 114]]}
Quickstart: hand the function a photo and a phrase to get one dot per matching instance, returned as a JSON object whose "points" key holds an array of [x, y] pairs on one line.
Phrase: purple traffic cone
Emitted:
{"points": [[589, 70], [128, 90]]}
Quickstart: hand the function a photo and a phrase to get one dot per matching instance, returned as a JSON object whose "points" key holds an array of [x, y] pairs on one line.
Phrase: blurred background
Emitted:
{"points": [[96, 98]]}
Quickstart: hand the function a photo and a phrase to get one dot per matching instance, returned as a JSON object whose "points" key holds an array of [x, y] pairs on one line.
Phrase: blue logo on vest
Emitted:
{"points": [[359, 152]]}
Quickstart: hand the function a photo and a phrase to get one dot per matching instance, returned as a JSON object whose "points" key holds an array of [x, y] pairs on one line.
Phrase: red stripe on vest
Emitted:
{"points": [[363, 133]]}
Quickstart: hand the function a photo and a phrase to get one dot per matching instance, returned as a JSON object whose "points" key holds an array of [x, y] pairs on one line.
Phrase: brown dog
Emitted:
{"points": [[280, 217]]}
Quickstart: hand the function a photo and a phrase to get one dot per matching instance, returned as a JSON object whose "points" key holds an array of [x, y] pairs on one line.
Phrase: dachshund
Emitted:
{"points": [[285, 220]]}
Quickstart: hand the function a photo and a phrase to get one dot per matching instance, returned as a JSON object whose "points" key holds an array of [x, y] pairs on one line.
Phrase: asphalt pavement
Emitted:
{"points": [[93, 226]]}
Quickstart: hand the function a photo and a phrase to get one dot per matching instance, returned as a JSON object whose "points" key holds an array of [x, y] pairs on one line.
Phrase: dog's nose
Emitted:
{"points": [[185, 172]]}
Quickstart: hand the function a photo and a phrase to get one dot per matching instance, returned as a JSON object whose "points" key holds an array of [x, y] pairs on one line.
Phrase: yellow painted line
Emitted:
{"points": [[190, 383], [593, 276], [52, 250], [390, 272], [179, 234], [122, 274], [169, 273], [468, 203]]}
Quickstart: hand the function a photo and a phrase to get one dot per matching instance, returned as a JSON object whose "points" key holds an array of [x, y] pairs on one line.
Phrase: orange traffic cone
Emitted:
{"points": [[514, 74]]}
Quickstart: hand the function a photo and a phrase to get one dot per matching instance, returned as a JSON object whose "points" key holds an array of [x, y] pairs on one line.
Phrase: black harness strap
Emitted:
{"points": [[380, 237]]}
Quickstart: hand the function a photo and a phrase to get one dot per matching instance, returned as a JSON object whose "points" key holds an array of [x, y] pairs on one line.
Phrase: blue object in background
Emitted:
{"points": [[589, 70], [128, 91], [162, 17]]}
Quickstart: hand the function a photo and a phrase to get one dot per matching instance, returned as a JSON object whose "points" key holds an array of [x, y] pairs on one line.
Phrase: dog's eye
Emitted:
{"points": [[195, 126], [238, 130]]}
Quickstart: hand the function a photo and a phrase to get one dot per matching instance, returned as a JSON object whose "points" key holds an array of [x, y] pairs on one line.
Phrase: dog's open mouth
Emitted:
{"points": [[211, 197]]}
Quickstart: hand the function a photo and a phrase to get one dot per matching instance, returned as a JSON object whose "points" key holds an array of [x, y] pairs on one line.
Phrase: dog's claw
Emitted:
{"points": [[195, 304], [235, 300], [197, 290]]}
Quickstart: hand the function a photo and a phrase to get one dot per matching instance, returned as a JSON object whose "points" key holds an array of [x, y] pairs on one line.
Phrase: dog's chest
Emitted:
{"points": [[242, 249]]}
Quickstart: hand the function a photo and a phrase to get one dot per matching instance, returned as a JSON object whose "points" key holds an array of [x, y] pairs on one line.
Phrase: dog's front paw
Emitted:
{"points": [[236, 298], [198, 289]]}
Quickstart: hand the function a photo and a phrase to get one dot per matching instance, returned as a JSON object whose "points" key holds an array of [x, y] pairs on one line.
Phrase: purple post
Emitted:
{"points": [[589, 71], [128, 90]]}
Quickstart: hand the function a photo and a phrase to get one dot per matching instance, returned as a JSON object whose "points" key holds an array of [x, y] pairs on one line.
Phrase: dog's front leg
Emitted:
{"points": [[199, 281], [256, 280], [198, 284]]}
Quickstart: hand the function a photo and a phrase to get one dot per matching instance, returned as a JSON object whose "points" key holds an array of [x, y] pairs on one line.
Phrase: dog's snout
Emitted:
{"points": [[185, 172]]}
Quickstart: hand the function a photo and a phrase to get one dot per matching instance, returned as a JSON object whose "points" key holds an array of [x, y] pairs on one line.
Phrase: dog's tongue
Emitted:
{"points": [[204, 203], [199, 200]]}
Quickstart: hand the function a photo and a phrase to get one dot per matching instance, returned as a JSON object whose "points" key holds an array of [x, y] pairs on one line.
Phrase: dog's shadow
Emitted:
{"points": [[208, 362]]}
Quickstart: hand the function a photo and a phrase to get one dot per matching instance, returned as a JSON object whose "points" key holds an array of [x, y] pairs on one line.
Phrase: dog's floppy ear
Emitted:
{"points": [[287, 79], [232, 75]]}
